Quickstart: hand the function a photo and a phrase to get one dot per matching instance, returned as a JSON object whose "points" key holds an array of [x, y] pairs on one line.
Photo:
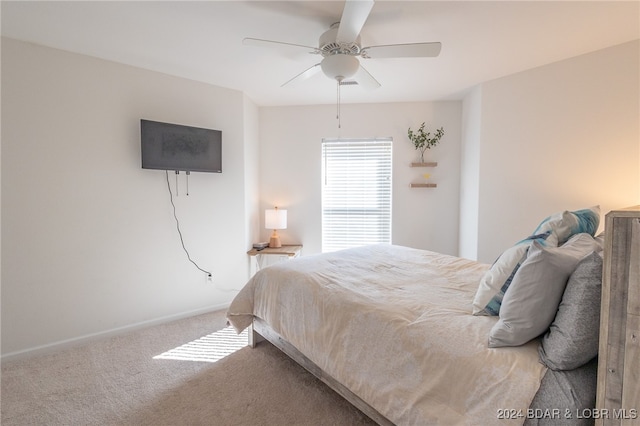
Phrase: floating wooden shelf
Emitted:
{"points": [[428, 164], [423, 185]]}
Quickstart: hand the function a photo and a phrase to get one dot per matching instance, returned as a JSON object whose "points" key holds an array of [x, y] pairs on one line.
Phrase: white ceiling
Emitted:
{"points": [[202, 41]]}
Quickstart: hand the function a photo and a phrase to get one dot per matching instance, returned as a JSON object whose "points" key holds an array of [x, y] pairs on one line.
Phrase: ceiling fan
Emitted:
{"points": [[340, 47]]}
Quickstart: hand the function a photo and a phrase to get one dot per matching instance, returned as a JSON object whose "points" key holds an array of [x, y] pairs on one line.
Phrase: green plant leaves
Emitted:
{"points": [[422, 139]]}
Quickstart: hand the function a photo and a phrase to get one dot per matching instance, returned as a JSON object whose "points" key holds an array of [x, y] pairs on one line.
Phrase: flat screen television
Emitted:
{"points": [[167, 146]]}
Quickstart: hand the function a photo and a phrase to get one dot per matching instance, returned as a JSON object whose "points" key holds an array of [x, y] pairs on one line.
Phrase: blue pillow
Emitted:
{"points": [[566, 223]]}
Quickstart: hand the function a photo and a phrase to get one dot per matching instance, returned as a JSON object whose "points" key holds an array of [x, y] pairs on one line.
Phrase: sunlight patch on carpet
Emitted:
{"points": [[210, 348]]}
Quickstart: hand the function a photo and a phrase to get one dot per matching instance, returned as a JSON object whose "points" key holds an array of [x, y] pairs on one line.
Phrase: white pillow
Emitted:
{"points": [[531, 303], [495, 282], [553, 231]]}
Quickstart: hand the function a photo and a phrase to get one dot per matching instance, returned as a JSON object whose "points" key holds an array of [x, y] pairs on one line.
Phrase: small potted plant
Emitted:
{"points": [[423, 140]]}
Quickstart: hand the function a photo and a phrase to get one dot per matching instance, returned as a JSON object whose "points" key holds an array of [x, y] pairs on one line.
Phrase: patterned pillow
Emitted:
{"points": [[497, 279], [531, 303], [553, 231], [566, 223]]}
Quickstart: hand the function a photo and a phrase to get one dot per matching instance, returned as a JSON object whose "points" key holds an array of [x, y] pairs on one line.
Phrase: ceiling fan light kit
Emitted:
{"points": [[340, 46], [340, 66]]}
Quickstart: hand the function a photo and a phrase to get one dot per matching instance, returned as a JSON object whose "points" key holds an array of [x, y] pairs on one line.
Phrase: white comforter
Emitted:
{"points": [[394, 325]]}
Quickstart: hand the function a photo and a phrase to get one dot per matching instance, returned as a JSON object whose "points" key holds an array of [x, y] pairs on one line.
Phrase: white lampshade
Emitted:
{"points": [[340, 66], [275, 219]]}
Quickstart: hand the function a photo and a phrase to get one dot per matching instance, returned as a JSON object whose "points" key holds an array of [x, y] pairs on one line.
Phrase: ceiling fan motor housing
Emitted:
{"points": [[329, 45]]}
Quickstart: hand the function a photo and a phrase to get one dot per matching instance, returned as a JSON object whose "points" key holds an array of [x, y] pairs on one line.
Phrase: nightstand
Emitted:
{"points": [[285, 252]]}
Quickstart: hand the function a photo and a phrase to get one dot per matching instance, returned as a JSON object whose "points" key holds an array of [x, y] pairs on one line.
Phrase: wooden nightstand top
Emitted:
{"points": [[286, 250]]}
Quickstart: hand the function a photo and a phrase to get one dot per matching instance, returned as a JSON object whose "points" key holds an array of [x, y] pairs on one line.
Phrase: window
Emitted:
{"points": [[356, 193]]}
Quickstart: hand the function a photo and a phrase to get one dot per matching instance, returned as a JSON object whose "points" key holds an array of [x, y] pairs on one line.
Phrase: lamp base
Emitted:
{"points": [[274, 242]]}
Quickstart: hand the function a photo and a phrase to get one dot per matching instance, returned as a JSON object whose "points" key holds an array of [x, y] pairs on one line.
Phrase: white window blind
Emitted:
{"points": [[356, 193]]}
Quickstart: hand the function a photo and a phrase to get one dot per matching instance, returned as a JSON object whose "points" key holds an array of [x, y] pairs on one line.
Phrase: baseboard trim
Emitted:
{"points": [[76, 341]]}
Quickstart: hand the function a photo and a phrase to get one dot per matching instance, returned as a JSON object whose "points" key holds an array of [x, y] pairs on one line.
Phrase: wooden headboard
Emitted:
{"points": [[618, 395]]}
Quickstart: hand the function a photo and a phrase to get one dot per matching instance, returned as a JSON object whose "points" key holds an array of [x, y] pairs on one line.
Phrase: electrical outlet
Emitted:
{"points": [[209, 278]]}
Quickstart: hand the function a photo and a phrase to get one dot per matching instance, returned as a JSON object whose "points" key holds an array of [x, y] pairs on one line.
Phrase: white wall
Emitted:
{"points": [[89, 243], [251, 164], [469, 172], [290, 168], [561, 136]]}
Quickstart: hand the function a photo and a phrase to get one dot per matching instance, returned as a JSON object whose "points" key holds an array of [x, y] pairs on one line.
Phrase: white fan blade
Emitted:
{"points": [[248, 41], [304, 74], [409, 50], [365, 79], [354, 15]]}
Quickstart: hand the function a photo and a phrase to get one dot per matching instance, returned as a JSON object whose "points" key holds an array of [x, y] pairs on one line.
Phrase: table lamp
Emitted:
{"points": [[275, 219]]}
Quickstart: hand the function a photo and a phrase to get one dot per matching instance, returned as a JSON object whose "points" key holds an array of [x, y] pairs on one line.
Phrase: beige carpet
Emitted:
{"points": [[117, 381]]}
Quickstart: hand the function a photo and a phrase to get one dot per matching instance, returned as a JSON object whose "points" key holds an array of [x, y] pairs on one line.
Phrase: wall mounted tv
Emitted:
{"points": [[167, 146]]}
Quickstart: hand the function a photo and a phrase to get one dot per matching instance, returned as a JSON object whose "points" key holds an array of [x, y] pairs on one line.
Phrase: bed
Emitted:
{"points": [[393, 330]]}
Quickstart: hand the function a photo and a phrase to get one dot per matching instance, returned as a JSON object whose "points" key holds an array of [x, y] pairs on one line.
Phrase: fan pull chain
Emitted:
{"points": [[338, 106]]}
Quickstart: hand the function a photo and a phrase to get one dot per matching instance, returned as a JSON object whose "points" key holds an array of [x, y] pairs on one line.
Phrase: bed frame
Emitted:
{"points": [[619, 359], [618, 393], [260, 331]]}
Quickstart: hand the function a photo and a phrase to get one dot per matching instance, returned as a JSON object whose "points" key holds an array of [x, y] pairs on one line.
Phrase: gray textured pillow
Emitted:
{"points": [[572, 339], [570, 394], [531, 302]]}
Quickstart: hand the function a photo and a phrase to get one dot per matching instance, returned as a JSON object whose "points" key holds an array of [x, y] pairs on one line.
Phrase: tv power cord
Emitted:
{"points": [[175, 216]]}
